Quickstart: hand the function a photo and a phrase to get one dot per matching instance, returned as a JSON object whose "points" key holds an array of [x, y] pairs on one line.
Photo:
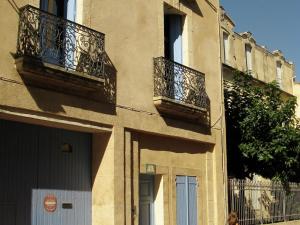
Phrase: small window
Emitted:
{"points": [[226, 47], [248, 50], [279, 73]]}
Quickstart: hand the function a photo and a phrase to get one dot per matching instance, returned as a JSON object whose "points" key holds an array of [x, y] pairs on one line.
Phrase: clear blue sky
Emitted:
{"points": [[273, 23]]}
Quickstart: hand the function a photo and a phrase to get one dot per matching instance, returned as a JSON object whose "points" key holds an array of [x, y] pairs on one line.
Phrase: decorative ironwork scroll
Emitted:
{"points": [[61, 42], [180, 83]]}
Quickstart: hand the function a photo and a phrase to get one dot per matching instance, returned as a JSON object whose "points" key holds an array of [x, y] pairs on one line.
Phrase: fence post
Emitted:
{"points": [[284, 205], [260, 201]]}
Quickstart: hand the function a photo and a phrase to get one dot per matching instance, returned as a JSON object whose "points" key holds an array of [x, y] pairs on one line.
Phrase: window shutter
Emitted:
{"points": [[192, 200], [181, 200], [186, 200]]}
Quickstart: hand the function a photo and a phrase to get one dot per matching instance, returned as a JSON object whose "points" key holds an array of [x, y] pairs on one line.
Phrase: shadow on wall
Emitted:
{"points": [[157, 143], [14, 5], [193, 5], [100, 147], [52, 100], [83, 77], [200, 124]]}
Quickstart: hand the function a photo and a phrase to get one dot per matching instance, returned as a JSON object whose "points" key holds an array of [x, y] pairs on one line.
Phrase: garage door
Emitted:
{"points": [[45, 175]]}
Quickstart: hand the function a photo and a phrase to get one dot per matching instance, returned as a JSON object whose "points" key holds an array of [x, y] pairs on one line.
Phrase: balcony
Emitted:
{"points": [[179, 90], [56, 53]]}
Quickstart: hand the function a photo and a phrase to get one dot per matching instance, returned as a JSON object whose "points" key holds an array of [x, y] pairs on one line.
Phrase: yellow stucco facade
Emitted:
{"points": [[265, 66], [132, 133], [297, 94]]}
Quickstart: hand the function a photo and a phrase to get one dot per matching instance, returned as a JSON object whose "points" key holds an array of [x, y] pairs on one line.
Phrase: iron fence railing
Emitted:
{"points": [[258, 202], [59, 41], [179, 83]]}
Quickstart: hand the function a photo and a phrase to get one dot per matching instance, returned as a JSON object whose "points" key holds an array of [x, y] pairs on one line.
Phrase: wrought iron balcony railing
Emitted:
{"points": [[179, 83], [59, 41]]}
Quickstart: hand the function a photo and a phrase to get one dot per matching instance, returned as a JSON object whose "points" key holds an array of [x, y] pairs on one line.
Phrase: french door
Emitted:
{"points": [[58, 39]]}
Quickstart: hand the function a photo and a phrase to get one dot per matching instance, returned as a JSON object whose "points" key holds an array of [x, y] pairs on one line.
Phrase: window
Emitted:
{"points": [[173, 37], [173, 26], [248, 50], [279, 74], [186, 200], [226, 46], [58, 37], [61, 8]]}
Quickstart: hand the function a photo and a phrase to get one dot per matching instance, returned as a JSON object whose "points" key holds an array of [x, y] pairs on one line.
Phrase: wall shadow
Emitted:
{"points": [[192, 5], [169, 144], [51, 98], [99, 146], [200, 124]]}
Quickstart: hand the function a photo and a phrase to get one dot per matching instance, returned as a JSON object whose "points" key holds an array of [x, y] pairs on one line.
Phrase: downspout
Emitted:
{"points": [[223, 127]]}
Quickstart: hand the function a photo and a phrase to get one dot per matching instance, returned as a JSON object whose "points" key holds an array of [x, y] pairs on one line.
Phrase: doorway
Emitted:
{"points": [[146, 208], [173, 28], [58, 37]]}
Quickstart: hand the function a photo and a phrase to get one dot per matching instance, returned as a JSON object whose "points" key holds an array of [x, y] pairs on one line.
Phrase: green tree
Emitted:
{"points": [[263, 135]]}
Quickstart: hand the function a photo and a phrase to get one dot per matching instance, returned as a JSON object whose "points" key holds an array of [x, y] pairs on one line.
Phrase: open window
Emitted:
{"points": [[248, 55], [226, 47], [173, 45], [279, 73], [58, 38]]}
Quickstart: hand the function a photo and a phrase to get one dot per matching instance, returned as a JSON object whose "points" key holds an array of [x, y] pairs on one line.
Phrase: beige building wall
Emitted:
{"points": [[132, 133], [297, 94], [263, 61]]}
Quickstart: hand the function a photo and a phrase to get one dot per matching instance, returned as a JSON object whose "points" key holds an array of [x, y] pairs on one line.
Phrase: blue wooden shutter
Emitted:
{"points": [[192, 193], [186, 200], [181, 200]]}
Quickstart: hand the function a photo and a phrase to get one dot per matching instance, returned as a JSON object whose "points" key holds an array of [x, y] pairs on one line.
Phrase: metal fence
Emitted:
{"points": [[263, 202]]}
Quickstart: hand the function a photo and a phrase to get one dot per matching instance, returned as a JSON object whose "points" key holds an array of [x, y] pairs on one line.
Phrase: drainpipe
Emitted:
{"points": [[223, 131]]}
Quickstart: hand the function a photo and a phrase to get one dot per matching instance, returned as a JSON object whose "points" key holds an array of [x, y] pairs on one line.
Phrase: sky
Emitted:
{"points": [[273, 23]]}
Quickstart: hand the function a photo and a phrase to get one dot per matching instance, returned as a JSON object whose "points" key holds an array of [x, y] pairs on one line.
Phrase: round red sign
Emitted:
{"points": [[50, 203]]}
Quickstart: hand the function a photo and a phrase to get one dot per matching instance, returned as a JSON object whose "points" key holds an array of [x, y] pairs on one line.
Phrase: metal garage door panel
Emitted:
{"points": [[18, 170], [63, 170], [7, 214], [73, 207], [33, 165], [65, 175]]}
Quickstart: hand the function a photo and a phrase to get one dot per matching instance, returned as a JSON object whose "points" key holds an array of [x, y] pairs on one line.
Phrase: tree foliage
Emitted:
{"points": [[263, 135]]}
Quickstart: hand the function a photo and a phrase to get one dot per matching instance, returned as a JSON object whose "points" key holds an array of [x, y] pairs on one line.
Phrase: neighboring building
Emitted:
{"points": [[297, 94], [116, 129], [258, 201], [241, 52]]}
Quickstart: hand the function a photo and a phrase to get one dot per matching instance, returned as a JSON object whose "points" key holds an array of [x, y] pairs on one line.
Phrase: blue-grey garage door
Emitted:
{"points": [[45, 175]]}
